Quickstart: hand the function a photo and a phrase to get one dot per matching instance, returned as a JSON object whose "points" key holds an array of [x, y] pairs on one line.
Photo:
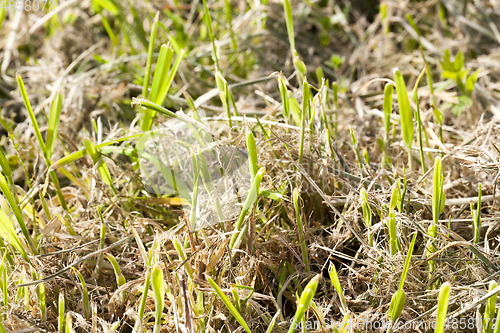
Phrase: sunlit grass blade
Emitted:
{"points": [[4, 286], [338, 287], [31, 114], [285, 98], [208, 22], [8, 233], [85, 294], [224, 95], [149, 61], [393, 238], [229, 21], [300, 226], [6, 170], [438, 200], [444, 295], [183, 257], [120, 279], [300, 67], [388, 92], [419, 121], [252, 153], [3, 13], [61, 310], [159, 294], [405, 113], [395, 195], [147, 283], [4, 186], [159, 79], [165, 87], [490, 310], [55, 114], [438, 196], [41, 297], [399, 298], [251, 198], [229, 305], [304, 301], [289, 24], [101, 166]]}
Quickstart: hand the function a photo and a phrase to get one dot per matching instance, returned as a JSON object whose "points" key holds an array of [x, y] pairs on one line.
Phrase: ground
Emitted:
{"points": [[227, 163]]}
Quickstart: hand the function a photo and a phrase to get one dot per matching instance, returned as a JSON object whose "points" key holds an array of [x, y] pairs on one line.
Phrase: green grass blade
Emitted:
{"points": [[54, 117], [252, 197], [489, 311], [404, 111], [149, 61], [285, 98], [388, 92], [208, 22], [8, 233], [31, 114], [120, 279], [3, 13], [419, 121], [4, 186], [229, 21], [338, 287], [407, 262], [304, 301], [399, 298], [444, 295], [229, 305], [224, 95], [159, 294], [252, 153], [438, 196], [183, 257], [101, 166], [85, 294], [165, 87], [83, 152], [289, 24], [159, 79], [60, 310], [6, 170]]}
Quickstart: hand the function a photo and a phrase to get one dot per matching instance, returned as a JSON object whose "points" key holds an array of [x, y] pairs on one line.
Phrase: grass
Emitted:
{"points": [[324, 177]]}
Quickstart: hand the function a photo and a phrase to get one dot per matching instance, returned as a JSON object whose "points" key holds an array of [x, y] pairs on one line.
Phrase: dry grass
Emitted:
{"points": [[98, 81]]}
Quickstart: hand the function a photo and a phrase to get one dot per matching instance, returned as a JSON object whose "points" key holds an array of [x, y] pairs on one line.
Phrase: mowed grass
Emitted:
{"points": [[356, 192]]}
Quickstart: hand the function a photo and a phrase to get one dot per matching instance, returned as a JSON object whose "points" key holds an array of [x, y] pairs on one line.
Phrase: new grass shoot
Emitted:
{"points": [[399, 298], [438, 201], [304, 301], [444, 295], [405, 113]]}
